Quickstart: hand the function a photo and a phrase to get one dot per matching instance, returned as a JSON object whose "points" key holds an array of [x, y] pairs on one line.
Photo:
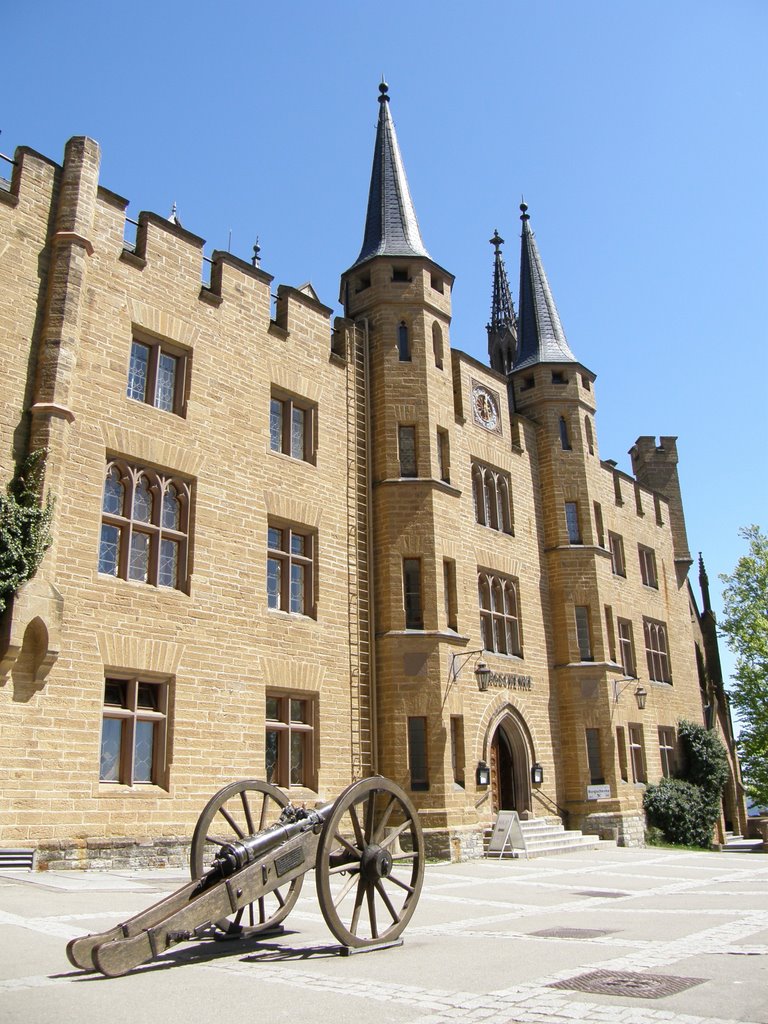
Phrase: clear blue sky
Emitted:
{"points": [[635, 130]]}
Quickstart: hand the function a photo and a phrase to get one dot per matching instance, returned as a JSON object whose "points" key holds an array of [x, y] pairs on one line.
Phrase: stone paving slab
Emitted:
{"points": [[469, 953]]}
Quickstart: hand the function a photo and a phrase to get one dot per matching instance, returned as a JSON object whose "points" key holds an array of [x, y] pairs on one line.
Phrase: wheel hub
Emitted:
{"points": [[376, 863]]}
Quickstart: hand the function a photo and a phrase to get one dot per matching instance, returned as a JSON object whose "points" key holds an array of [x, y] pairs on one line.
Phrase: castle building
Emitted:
{"points": [[306, 549]]}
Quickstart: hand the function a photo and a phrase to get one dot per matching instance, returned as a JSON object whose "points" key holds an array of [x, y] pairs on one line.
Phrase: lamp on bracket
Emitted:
{"points": [[641, 694], [482, 671]]}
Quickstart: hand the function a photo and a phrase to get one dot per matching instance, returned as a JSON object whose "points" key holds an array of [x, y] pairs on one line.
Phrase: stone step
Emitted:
{"points": [[546, 837], [738, 844]]}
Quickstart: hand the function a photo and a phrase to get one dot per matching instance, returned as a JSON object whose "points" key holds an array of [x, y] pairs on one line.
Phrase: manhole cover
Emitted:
{"points": [[573, 933], [604, 894], [627, 983]]}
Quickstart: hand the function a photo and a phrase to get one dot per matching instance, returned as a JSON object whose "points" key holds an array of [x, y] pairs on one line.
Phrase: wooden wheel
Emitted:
{"points": [[370, 863], [236, 811]]}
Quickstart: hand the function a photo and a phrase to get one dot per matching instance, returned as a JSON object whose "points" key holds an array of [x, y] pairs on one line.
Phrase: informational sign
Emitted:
{"points": [[598, 792], [506, 833]]}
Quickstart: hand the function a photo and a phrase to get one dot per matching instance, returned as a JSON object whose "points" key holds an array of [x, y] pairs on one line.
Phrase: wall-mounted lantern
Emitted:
{"points": [[482, 671], [483, 774], [537, 774], [641, 696]]}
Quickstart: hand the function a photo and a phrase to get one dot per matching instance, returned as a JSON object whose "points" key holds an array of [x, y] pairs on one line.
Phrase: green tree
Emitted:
{"points": [[25, 526], [745, 626]]}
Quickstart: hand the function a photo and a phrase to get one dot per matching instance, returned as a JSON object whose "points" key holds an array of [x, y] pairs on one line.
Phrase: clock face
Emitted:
{"points": [[485, 406]]}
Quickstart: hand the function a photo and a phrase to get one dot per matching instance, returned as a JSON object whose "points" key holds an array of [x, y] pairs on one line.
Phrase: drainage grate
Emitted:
{"points": [[573, 933], [626, 983], [16, 858], [605, 894]]}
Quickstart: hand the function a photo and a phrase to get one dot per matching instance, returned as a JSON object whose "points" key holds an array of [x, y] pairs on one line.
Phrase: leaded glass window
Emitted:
{"points": [[134, 732], [290, 561], [156, 375], [289, 744]]}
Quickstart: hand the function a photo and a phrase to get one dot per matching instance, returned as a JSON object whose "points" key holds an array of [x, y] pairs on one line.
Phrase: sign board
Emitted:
{"points": [[598, 792], [506, 833]]}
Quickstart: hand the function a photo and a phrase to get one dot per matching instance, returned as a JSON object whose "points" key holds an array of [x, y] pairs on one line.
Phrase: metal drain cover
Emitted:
{"points": [[628, 983], [605, 894], [573, 933]]}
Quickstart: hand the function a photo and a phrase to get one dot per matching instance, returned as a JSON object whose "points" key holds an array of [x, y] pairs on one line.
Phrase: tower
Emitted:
{"points": [[401, 298], [502, 326]]}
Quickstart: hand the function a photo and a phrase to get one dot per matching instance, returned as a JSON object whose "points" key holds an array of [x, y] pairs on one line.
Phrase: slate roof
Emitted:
{"points": [[540, 335], [391, 228]]}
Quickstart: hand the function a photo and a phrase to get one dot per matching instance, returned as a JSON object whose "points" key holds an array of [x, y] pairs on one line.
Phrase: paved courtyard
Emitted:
{"points": [[634, 936]]}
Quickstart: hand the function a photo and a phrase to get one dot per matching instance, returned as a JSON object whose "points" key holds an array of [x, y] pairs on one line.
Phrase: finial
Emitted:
{"points": [[384, 90], [524, 211], [496, 241], [174, 217], [256, 259]]}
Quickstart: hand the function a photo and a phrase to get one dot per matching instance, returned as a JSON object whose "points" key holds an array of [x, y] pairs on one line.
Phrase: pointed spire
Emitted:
{"points": [[541, 338], [502, 328], [174, 216], [704, 585], [391, 228]]}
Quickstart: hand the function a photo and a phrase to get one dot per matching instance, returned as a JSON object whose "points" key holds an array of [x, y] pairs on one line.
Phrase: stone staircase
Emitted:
{"points": [[738, 844], [546, 837]]}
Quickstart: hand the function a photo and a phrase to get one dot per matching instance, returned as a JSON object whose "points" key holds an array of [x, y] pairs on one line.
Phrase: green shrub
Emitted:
{"points": [[25, 526], [706, 759], [683, 811]]}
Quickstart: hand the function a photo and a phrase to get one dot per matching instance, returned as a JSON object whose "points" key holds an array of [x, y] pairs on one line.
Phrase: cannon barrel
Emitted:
{"points": [[233, 857]]}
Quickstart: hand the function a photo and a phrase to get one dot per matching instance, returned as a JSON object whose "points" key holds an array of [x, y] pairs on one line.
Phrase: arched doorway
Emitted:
{"points": [[510, 762]]}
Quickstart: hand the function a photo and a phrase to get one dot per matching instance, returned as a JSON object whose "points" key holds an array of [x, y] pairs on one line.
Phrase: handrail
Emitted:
{"points": [[549, 803]]}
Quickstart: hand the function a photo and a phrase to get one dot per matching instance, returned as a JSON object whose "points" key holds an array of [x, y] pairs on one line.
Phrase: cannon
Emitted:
{"points": [[249, 853]]}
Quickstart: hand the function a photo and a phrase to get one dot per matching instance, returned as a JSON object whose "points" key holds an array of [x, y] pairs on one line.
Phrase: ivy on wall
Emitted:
{"points": [[25, 526]]}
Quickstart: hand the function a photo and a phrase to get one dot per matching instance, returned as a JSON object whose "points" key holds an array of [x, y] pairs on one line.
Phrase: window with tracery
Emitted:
{"points": [[493, 498], [656, 651], [145, 526], [499, 614]]}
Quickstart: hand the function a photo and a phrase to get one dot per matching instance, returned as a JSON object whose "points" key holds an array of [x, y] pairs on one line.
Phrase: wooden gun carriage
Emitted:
{"points": [[250, 851]]}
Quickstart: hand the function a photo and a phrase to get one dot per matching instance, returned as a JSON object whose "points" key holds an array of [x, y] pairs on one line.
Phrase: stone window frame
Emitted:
{"points": [[583, 618], [458, 751], [492, 495], [127, 526], [657, 651], [143, 702], [573, 522], [627, 658], [287, 562], [404, 353], [418, 753], [500, 619], [407, 453], [637, 752], [444, 454], [156, 349], [413, 600], [283, 408], [648, 571], [293, 733], [667, 750], [595, 768], [618, 561]]}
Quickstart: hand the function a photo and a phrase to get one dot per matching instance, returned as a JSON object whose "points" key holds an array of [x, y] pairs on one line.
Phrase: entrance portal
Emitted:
{"points": [[510, 767]]}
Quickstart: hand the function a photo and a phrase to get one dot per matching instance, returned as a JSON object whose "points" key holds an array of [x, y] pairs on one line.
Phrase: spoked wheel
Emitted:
{"points": [[370, 863], [236, 811]]}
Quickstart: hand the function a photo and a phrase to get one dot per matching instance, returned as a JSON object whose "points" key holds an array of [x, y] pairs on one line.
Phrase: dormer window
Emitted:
{"points": [[400, 274]]}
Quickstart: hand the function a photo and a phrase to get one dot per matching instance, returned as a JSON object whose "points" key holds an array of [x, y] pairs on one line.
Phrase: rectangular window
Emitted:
{"points": [[599, 531], [648, 566], [594, 758], [637, 753], [638, 500], [457, 749], [610, 632], [406, 446], [145, 526], [667, 751], [414, 618], [621, 747], [627, 648], [417, 753], [290, 564], [656, 651], [157, 375], [449, 593], [583, 633], [443, 455], [289, 748], [617, 489], [292, 427], [572, 522], [616, 546], [134, 732]]}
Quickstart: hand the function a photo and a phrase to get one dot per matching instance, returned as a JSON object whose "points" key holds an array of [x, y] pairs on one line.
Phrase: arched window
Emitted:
{"points": [[492, 497], [499, 614], [144, 526], [403, 342], [437, 344]]}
